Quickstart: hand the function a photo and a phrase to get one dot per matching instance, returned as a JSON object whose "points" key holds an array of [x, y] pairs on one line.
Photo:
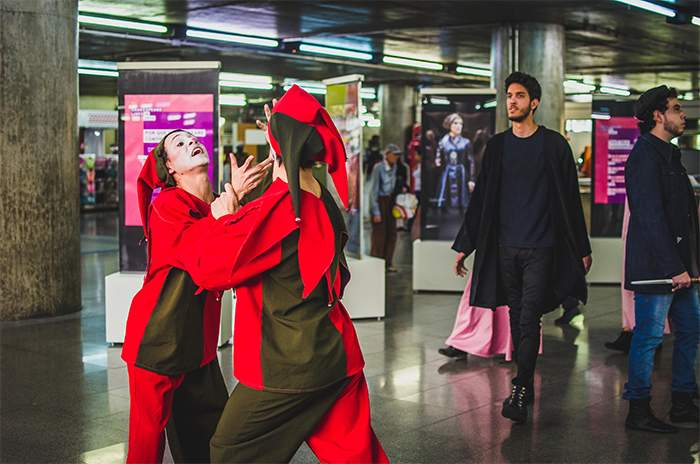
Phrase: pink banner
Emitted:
{"points": [[614, 140], [147, 118]]}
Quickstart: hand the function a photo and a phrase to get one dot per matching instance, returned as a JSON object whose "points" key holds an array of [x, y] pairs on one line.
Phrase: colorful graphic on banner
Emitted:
{"points": [[343, 105], [147, 118], [614, 140]]}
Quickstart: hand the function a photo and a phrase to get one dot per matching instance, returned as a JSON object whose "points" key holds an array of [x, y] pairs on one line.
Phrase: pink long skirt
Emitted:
{"points": [[481, 331]]}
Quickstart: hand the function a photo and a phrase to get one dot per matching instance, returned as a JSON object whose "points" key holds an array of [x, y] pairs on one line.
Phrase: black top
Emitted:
{"points": [[525, 220], [663, 237]]}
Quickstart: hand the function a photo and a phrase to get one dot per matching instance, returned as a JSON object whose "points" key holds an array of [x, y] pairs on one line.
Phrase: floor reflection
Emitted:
{"points": [[64, 393]]}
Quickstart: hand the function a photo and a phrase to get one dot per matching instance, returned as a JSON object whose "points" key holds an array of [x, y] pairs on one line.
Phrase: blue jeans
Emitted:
{"points": [[651, 311]]}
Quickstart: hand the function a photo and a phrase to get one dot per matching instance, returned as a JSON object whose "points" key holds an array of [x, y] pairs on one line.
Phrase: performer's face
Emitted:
{"points": [[456, 127], [673, 119], [519, 103], [185, 153]]}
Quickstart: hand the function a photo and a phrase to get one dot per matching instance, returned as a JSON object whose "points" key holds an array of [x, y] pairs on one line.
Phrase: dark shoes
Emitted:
{"points": [[568, 316], [452, 352], [641, 417], [622, 343], [515, 406], [683, 409]]}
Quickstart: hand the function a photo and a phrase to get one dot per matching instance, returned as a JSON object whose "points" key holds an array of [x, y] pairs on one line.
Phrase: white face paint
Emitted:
{"points": [[185, 153]]}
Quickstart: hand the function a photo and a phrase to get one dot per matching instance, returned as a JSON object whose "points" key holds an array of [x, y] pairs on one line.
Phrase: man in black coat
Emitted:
{"points": [[526, 223], [663, 242]]}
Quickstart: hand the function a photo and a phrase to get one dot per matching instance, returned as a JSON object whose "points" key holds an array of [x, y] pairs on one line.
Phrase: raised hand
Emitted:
{"points": [[247, 177], [263, 125]]}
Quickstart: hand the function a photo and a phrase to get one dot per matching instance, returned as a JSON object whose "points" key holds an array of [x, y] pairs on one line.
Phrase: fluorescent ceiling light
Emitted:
{"points": [[439, 101], [98, 72], [246, 85], [648, 6], [490, 104], [232, 100], [582, 98], [412, 63], [311, 90], [368, 93], [258, 78], [97, 64], [232, 38], [695, 20], [577, 87], [122, 24], [309, 48], [602, 116], [473, 71], [614, 86], [228, 28], [614, 91]]}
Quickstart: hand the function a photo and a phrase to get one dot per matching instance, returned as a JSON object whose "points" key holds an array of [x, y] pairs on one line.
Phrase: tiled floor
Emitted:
{"points": [[64, 395]]}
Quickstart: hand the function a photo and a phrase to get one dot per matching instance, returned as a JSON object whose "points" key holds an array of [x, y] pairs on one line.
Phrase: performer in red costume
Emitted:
{"points": [[172, 329], [296, 354]]}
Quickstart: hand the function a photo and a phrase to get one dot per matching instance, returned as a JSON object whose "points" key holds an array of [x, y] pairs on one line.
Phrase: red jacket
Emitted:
{"points": [[291, 331], [173, 325]]}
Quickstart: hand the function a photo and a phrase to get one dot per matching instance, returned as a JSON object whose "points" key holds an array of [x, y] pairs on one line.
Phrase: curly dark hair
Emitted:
{"points": [[659, 102], [530, 83]]}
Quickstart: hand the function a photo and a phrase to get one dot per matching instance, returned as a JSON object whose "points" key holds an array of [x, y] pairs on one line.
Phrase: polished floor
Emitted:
{"points": [[64, 395]]}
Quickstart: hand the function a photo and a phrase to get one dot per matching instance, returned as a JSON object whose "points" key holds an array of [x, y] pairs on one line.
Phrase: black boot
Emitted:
{"points": [[683, 409], [641, 417], [623, 342], [452, 352], [515, 406], [567, 316]]}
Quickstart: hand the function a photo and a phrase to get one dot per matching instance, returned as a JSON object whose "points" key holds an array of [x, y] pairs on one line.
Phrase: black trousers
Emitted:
{"points": [[525, 274]]}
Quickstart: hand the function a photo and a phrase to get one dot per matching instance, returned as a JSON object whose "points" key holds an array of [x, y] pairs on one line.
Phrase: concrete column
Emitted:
{"points": [[39, 196], [502, 54], [397, 110], [541, 54]]}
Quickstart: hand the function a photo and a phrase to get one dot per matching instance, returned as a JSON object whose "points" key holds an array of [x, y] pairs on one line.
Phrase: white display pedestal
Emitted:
{"points": [[433, 264], [607, 260], [365, 294], [120, 289]]}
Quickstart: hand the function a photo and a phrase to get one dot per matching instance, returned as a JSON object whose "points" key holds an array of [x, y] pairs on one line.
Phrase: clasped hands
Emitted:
{"points": [[243, 180]]}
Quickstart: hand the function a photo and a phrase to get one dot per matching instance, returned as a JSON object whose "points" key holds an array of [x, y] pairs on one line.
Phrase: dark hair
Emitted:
{"points": [[527, 81], [659, 102]]}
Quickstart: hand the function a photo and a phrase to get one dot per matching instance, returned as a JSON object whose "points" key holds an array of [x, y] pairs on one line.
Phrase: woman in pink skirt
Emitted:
{"points": [[479, 331], [623, 341]]}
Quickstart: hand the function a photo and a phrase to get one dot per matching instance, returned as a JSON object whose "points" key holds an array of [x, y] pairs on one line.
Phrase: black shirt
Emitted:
{"points": [[524, 199]]}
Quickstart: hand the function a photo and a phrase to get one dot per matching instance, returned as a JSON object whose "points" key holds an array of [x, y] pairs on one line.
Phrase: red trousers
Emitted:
{"points": [[186, 406], [263, 426]]}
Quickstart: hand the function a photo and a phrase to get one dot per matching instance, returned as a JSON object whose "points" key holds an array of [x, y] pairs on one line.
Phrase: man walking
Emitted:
{"points": [[526, 223], [662, 242], [389, 178]]}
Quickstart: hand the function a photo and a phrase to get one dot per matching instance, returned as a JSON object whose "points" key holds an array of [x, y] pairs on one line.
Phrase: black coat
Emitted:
{"points": [[662, 239], [480, 228]]}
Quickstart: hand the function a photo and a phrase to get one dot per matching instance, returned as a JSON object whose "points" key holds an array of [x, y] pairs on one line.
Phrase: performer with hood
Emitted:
{"points": [[172, 328], [296, 355]]}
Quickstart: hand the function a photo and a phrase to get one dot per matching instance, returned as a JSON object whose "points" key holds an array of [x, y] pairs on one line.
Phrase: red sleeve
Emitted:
{"points": [[226, 257]]}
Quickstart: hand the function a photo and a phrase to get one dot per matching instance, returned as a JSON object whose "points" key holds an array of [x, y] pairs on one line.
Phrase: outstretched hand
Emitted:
{"points": [[246, 177]]}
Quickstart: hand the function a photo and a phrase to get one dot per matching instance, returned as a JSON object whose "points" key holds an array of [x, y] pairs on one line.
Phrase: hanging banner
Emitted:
{"points": [[154, 99], [455, 129], [615, 132], [614, 140], [343, 105]]}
